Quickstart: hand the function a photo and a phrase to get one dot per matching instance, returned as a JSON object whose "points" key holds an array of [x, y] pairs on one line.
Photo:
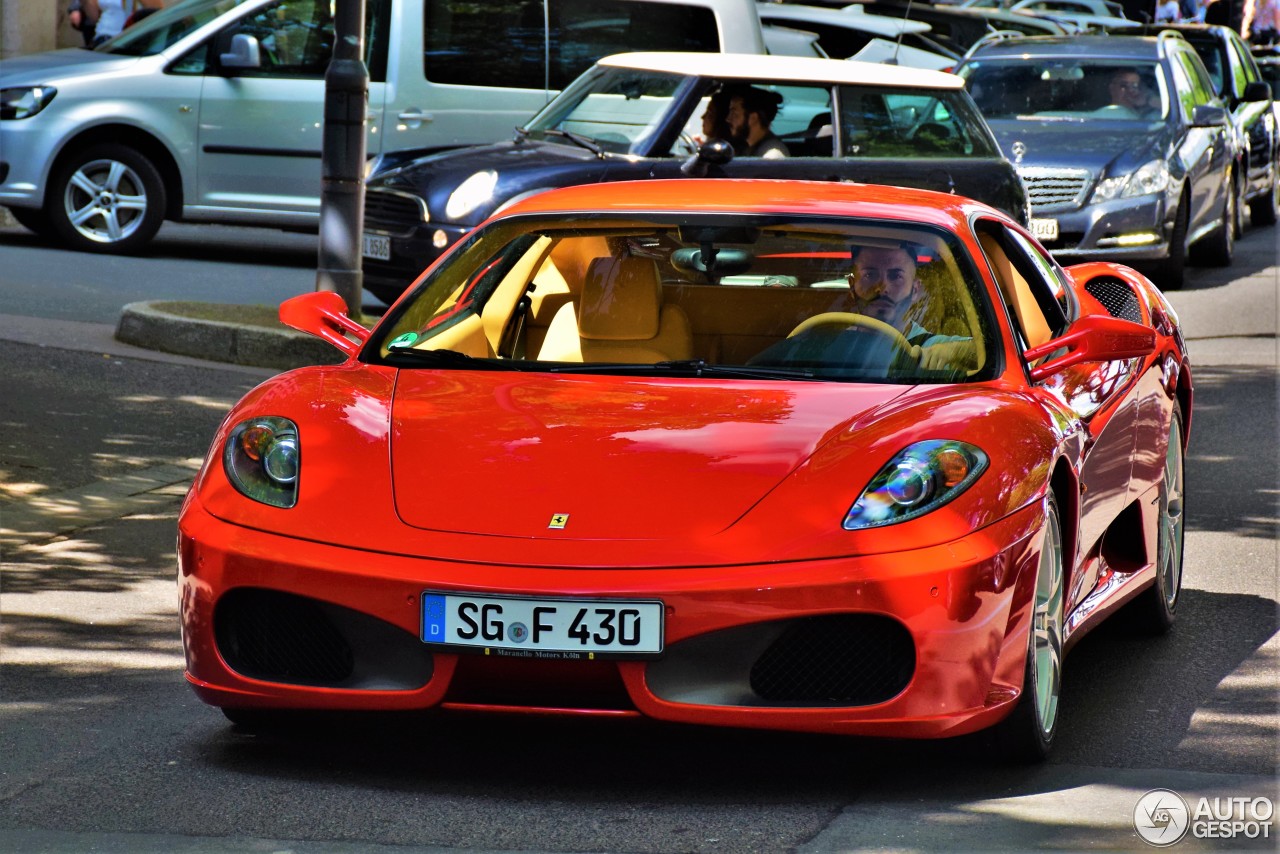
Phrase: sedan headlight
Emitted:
{"points": [[1150, 178], [23, 102], [262, 460], [471, 194], [918, 480]]}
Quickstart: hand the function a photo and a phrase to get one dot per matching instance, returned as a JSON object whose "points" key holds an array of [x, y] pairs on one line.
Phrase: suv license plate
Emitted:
{"points": [[1045, 229], [543, 628], [377, 246]]}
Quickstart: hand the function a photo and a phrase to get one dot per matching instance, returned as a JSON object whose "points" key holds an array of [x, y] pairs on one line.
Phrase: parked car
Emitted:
{"points": [[623, 452], [639, 116], [1239, 80], [845, 33], [956, 28], [211, 110], [1106, 182], [1084, 15]]}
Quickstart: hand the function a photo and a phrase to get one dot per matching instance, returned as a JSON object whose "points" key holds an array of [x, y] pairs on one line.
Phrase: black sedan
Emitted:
{"points": [[639, 116]]}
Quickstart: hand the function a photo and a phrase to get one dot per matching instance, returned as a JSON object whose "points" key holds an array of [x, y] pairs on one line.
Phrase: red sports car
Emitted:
{"points": [[805, 456]]}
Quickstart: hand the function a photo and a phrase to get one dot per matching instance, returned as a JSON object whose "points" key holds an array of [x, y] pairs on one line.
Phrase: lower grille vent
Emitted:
{"points": [[279, 637], [845, 659]]}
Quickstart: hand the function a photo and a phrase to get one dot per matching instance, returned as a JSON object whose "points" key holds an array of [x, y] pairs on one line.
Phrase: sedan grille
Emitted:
{"points": [[393, 211], [1049, 188], [846, 659]]}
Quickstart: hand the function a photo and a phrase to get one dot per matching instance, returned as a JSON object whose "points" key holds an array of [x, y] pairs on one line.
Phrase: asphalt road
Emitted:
{"points": [[104, 748]]}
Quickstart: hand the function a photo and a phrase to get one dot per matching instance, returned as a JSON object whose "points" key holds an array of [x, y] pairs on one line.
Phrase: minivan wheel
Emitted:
{"points": [[106, 198]]}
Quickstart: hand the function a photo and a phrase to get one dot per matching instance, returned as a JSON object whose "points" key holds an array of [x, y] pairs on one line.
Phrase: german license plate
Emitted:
{"points": [[1045, 229], [543, 628], [377, 246]]}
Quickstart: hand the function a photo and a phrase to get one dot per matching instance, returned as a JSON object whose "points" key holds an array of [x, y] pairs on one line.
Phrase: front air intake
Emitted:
{"points": [[841, 659], [279, 637]]}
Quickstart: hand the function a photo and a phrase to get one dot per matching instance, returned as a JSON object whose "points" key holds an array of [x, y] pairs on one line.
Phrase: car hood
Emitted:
{"points": [[1085, 145], [502, 453], [59, 65]]}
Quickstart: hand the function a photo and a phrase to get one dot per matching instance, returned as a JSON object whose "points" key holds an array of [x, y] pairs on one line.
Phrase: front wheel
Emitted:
{"points": [[106, 198], [1263, 209], [1027, 734], [1171, 273], [1219, 247]]}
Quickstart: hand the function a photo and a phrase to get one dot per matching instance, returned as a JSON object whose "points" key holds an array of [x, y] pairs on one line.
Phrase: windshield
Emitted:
{"points": [[1067, 89], [617, 109], [166, 27], [791, 298]]}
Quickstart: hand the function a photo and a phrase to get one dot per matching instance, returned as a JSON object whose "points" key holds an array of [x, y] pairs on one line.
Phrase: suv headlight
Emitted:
{"points": [[1150, 178], [471, 194], [918, 480], [262, 460], [23, 102]]}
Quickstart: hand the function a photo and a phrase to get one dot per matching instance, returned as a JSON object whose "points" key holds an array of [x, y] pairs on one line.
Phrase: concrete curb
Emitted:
{"points": [[146, 324]]}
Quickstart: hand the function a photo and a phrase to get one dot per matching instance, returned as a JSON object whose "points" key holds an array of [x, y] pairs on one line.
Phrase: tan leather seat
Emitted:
{"points": [[619, 317]]}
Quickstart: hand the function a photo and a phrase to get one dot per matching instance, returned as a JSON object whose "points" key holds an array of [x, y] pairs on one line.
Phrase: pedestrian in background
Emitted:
{"points": [[110, 15], [1168, 11], [1264, 29], [80, 21]]}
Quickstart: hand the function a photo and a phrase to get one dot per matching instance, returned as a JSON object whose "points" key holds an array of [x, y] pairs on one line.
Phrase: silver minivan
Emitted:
{"points": [[211, 110]]}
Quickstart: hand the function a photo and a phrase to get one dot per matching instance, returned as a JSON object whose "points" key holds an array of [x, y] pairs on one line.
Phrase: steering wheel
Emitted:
{"points": [[846, 319]]}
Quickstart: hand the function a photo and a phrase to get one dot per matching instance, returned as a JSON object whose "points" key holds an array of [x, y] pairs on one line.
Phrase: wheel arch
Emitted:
{"points": [[1065, 487], [142, 141]]}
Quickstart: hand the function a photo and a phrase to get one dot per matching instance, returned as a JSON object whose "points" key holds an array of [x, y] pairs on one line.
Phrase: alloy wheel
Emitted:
{"points": [[105, 201]]}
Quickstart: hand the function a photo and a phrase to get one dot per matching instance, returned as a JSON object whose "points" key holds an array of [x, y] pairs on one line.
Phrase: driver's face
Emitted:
{"points": [[1127, 90], [883, 282]]}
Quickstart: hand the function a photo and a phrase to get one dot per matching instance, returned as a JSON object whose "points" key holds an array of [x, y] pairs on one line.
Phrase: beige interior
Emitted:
{"points": [[1016, 292]]}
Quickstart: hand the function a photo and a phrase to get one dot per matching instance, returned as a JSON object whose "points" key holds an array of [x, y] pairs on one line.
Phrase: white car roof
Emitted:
{"points": [[792, 69], [852, 17]]}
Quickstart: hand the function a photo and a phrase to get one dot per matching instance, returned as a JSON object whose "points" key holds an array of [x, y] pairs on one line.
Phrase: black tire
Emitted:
{"points": [[1028, 733], [1238, 212], [1263, 209], [34, 220], [1155, 610], [106, 198], [1219, 246], [1171, 273]]}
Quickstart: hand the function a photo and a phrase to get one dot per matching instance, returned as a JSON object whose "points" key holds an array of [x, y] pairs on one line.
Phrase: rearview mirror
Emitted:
{"points": [[324, 315], [1093, 338]]}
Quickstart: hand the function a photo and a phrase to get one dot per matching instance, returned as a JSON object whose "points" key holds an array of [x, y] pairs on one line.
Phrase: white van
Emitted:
{"points": [[211, 110]]}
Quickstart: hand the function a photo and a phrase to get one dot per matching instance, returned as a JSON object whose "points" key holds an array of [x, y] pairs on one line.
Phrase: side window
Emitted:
{"points": [[505, 43], [1024, 287], [1243, 69], [1202, 88], [295, 39], [1183, 88], [804, 120]]}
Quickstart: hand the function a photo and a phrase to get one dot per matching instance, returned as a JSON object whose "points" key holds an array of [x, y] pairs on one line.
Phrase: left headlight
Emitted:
{"points": [[918, 480], [23, 102], [471, 194], [1152, 177], [262, 460]]}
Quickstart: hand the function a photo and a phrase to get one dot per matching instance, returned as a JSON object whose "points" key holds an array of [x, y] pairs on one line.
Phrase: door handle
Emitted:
{"points": [[414, 115]]}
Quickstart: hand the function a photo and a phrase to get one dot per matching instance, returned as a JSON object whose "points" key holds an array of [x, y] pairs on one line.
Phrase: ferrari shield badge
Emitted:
{"points": [[559, 520]]}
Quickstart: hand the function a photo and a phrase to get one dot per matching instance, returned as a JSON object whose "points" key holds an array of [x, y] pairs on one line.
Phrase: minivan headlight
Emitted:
{"points": [[23, 102], [471, 194], [1152, 177]]}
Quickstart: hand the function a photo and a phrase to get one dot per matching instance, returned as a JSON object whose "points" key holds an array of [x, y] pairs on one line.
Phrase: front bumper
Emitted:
{"points": [[274, 622], [1101, 232], [27, 147]]}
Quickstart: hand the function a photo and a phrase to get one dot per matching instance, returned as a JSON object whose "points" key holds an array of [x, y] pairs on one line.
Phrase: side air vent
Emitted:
{"points": [[1116, 296]]}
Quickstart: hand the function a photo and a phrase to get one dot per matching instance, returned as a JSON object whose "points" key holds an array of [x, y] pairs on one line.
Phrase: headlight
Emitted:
{"points": [[1151, 178], [918, 480], [23, 102], [262, 460], [471, 194]]}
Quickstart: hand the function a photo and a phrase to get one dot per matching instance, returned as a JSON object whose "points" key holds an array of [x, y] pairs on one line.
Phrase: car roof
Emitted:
{"points": [[881, 25], [741, 196], [1073, 47], [744, 66]]}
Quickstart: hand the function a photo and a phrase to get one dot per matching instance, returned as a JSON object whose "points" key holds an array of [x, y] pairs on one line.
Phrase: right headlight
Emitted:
{"points": [[1152, 177], [918, 480], [23, 102], [262, 460]]}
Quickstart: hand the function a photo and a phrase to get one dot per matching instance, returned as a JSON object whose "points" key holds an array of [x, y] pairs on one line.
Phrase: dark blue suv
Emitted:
{"points": [[1126, 151]]}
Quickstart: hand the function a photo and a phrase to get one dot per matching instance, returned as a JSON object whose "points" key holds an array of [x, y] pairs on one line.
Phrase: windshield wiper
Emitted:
{"points": [[444, 359], [577, 139], [692, 367]]}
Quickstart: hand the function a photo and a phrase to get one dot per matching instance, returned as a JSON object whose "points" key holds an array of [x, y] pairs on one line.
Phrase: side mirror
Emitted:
{"points": [[324, 315], [1093, 338], [1258, 90], [1207, 116], [713, 152], [245, 53]]}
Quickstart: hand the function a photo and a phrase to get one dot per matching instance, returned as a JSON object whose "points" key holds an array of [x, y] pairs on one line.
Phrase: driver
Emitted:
{"points": [[883, 285]]}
